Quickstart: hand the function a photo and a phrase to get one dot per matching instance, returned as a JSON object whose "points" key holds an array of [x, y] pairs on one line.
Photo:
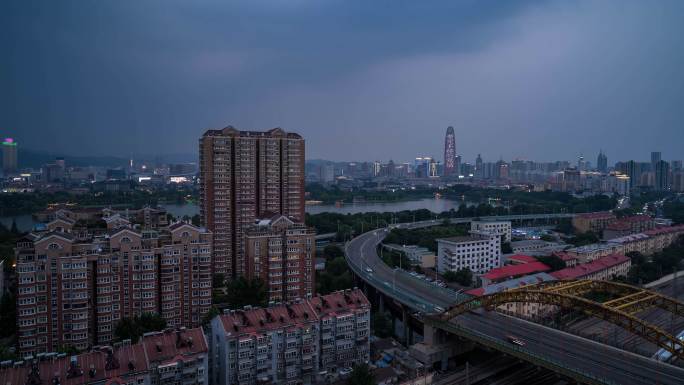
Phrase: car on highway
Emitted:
{"points": [[515, 340], [439, 309], [345, 372], [369, 270]]}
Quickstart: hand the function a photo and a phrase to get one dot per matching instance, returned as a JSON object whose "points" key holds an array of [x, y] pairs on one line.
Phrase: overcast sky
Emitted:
{"points": [[360, 80]]}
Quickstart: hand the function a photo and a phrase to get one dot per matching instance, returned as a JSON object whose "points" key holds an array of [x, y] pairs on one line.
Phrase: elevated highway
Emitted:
{"points": [[584, 360]]}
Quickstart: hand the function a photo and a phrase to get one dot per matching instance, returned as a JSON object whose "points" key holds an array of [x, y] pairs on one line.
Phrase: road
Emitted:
{"points": [[587, 356], [581, 355]]}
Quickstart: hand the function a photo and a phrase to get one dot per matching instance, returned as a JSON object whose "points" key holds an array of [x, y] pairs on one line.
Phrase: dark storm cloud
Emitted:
{"points": [[360, 80]]}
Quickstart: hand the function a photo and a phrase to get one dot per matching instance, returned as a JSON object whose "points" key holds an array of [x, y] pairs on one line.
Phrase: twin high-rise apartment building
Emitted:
{"points": [[244, 176]]}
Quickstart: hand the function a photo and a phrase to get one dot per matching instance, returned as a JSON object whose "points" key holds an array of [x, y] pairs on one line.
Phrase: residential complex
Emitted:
{"points": [[281, 253], [479, 252], [169, 357], [295, 343], [77, 278], [245, 175]]}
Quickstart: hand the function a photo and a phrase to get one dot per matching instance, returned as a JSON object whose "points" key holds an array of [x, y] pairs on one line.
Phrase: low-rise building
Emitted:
{"points": [[594, 222], [479, 252], [604, 268], [595, 251], [296, 343], [628, 225], [502, 228], [169, 357]]}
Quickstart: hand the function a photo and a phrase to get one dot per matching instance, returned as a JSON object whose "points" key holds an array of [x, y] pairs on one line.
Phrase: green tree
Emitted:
{"points": [[464, 277], [8, 313], [361, 375], [213, 312], [332, 252], [553, 262], [134, 328], [14, 229], [382, 324], [242, 292], [449, 276], [218, 280], [506, 248], [196, 220], [336, 276]]}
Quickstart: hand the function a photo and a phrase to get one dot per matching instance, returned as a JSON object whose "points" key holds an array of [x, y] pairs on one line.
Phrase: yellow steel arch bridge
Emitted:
{"points": [[625, 303]]}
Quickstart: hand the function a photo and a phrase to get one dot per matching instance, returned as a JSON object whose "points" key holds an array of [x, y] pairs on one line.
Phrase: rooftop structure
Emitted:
{"points": [[512, 271]]}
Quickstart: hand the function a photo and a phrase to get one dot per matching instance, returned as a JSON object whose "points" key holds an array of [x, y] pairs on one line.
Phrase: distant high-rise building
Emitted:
{"points": [[450, 152], [479, 170], [377, 166], [458, 164], [602, 162], [662, 175], [656, 157], [245, 175], [676, 165], [9, 155]]}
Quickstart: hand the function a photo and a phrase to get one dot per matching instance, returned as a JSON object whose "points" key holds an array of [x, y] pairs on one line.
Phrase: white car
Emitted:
{"points": [[369, 270], [345, 371]]}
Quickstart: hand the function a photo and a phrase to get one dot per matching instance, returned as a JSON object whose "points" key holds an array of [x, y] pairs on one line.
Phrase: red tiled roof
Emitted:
{"points": [[597, 215], [167, 346], [97, 360], [258, 320], [515, 270], [586, 269], [476, 292], [564, 256], [619, 226], [522, 258], [128, 360], [665, 230], [636, 218]]}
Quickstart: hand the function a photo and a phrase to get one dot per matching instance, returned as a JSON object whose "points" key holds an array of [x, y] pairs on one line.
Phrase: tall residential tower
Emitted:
{"points": [[450, 152], [245, 175]]}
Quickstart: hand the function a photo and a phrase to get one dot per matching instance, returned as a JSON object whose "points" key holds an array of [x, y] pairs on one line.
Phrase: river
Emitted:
{"points": [[26, 222]]}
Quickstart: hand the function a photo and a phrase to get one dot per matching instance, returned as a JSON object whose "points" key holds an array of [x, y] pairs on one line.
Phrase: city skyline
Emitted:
{"points": [[539, 80]]}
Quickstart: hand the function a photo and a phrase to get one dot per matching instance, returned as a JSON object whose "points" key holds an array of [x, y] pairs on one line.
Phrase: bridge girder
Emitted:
{"points": [[568, 295]]}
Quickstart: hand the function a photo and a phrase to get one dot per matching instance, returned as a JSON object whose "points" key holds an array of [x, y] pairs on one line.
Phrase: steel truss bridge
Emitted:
{"points": [[621, 309]]}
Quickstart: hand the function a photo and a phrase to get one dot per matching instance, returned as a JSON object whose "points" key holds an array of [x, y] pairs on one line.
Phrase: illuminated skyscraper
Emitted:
{"points": [[9, 155], [450, 152]]}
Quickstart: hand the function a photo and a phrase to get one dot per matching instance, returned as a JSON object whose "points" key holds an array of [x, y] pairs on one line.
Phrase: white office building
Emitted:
{"points": [[480, 252], [497, 227]]}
